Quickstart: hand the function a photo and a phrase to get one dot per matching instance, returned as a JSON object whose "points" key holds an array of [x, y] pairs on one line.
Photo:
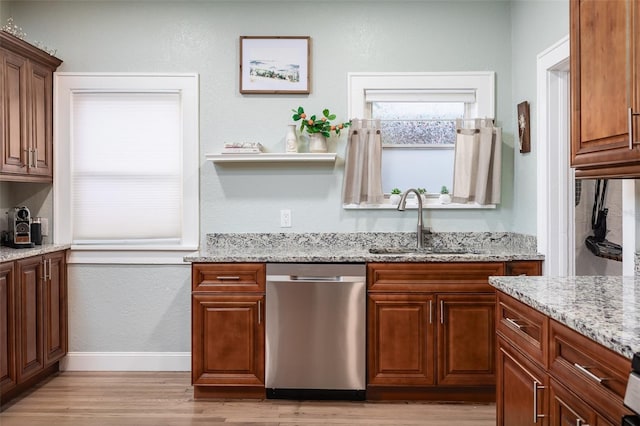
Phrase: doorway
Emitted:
{"points": [[565, 204]]}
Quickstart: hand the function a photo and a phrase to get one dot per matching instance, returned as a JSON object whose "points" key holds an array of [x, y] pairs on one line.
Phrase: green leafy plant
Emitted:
{"points": [[444, 190], [422, 191], [396, 191], [316, 124]]}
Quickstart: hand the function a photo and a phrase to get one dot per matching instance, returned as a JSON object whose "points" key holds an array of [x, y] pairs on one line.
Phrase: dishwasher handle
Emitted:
{"points": [[314, 278]]}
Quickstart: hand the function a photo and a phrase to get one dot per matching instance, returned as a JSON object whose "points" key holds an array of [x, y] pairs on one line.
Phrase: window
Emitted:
{"points": [[418, 113], [127, 166]]}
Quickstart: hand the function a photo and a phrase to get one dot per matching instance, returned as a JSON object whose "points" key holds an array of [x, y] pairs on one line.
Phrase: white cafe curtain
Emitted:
{"points": [[477, 164], [363, 164]]}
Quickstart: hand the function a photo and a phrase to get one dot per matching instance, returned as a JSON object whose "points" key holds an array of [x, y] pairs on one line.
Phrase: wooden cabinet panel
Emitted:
{"points": [[55, 307], [8, 376], [13, 120], [40, 118], [30, 355], [400, 339], [522, 394], [568, 409], [228, 340], [524, 327], [433, 277], [229, 277], [466, 339], [604, 85], [599, 373]]}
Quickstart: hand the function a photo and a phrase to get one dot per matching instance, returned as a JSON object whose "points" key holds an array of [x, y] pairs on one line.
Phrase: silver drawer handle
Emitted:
{"points": [[514, 323], [228, 278], [584, 370], [536, 388], [579, 422]]}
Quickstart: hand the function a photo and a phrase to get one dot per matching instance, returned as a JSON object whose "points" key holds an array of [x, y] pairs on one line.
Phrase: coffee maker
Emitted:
{"points": [[19, 228]]}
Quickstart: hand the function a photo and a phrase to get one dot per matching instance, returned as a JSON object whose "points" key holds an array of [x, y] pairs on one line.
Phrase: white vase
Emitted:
{"points": [[317, 143], [394, 199], [291, 139], [445, 198]]}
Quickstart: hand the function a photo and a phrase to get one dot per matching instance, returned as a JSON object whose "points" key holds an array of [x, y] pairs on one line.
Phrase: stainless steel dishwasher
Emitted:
{"points": [[315, 331]]}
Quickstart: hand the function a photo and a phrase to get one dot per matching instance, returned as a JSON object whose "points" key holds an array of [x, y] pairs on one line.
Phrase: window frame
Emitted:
{"points": [[187, 85], [481, 82]]}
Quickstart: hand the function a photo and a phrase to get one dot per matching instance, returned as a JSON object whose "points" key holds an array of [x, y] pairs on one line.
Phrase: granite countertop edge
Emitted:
{"points": [[571, 302], [8, 254], [355, 257]]}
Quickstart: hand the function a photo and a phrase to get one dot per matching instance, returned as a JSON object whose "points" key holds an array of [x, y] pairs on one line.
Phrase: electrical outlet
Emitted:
{"points": [[285, 218]]}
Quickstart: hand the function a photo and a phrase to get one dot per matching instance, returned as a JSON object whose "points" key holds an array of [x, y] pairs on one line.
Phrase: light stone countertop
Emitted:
{"points": [[354, 248], [8, 253], [604, 309]]}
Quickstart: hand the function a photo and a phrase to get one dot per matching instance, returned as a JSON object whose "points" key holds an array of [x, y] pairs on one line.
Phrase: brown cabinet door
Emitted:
{"points": [[227, 339], [29, 305], [13, 118], [521, 389], [8, 377], [604, 85], [568, 409], [55, 307], [40, 118], [466, 339], [401, 340]]}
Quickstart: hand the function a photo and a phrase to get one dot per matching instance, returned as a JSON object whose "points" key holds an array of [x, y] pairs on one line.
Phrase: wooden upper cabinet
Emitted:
{"points": [[605, 87], [26, 111]]}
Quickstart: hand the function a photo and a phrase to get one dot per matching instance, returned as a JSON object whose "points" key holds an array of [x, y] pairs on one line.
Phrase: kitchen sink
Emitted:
{"points": [[415, 250]]}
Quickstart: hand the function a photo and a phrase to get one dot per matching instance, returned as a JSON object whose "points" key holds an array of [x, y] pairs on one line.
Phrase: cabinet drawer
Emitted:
{"points": [[523, 267], [430, 277], [228, 277], [597, 374], [524, 327]]}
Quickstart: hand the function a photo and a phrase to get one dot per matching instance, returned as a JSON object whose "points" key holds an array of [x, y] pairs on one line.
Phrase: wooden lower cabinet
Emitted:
{"points": [[522, 389], [228, 333], [8, 375], [563, 388], [33, 327], [431, 331]]}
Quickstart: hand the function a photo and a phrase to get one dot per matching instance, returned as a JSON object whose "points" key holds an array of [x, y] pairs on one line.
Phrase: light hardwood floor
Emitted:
{"points": [[145, 399]]}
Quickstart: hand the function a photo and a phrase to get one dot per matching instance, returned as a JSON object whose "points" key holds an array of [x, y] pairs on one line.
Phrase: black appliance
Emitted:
{"points": [[19, 228], [632, 395]]}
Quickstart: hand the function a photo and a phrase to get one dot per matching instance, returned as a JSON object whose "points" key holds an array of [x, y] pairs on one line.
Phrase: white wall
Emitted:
{"points": [[535, 26], [190, 36]]}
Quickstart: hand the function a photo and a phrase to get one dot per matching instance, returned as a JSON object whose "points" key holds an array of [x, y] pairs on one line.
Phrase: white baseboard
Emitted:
{"points": [[126, 361]]}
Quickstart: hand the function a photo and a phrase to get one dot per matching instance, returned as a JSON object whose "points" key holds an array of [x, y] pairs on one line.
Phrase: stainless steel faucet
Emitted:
{"points": [[401, 207]]}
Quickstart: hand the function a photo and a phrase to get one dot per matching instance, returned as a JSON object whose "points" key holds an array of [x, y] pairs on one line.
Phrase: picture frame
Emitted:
{"points": [[524, 127], [275, 65]]}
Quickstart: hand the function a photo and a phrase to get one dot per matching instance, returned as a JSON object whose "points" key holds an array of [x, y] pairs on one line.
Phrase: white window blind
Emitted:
{"points": [[126, 168]]}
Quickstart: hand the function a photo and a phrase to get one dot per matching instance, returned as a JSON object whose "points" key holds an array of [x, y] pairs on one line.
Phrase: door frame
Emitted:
{"points": [[555, 179]]}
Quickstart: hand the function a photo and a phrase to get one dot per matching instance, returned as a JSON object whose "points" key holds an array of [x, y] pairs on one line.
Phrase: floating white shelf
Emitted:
{"points": [[272, 158]]}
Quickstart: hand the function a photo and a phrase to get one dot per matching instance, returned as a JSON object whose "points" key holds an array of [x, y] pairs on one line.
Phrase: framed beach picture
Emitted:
{"points": [[274, 65]]}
